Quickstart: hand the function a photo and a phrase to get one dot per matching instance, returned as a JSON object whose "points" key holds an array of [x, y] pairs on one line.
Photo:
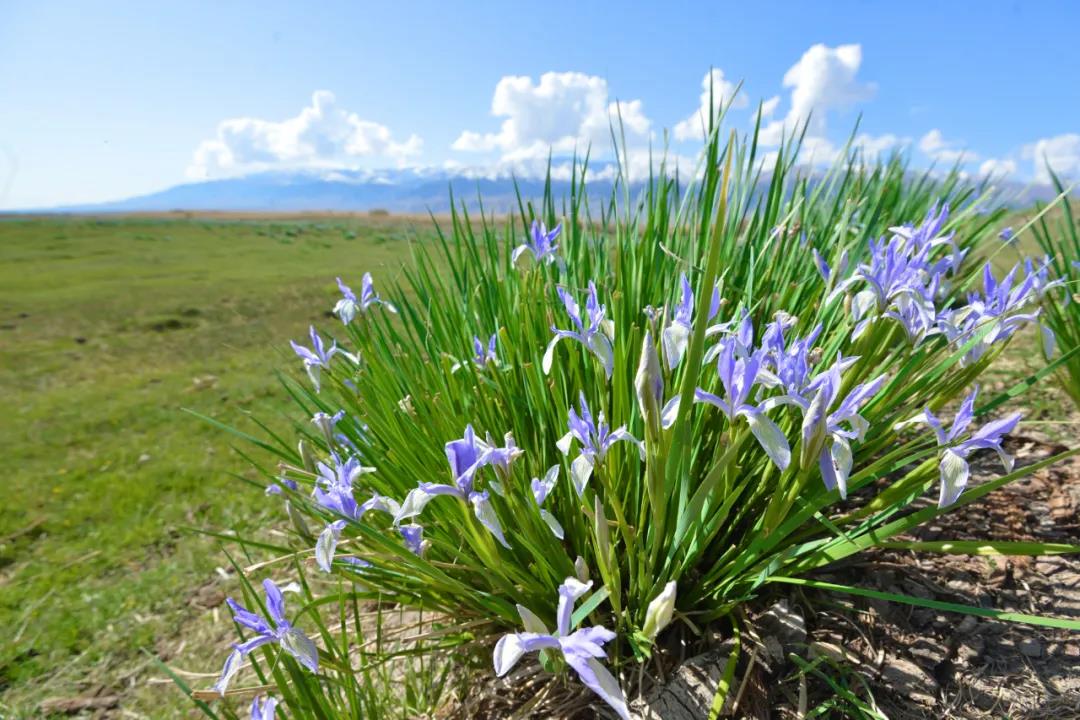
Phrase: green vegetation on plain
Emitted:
{"points": [[109, 328]]}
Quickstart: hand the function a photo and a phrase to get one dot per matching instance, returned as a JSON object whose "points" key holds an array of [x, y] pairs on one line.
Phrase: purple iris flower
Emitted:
{"points": [[541, 243], [1007, 235], [788, 365], [676, 335], [824, 436], [334, 485], [596, 438], [466, 456], [593, 331], [264, 711], [326, 545], [738, 376], [1006, 305], [541, 488], [482, 356], [318, 357], [276, 630], [954, 466], [903, 277], [581, 649], [917, 315], [349, 304], [328, 425], [827, 273], [275, 488], [413, 537]]}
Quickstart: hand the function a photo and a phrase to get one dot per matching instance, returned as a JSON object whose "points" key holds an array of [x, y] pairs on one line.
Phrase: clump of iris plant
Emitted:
{"points": [[727, 448]]}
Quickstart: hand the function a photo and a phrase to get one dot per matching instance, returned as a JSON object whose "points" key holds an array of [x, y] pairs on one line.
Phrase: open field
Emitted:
{"points": [[108, 328]]}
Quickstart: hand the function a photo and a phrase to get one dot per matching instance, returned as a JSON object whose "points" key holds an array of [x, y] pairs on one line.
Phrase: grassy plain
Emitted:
{"points": [[109, 327]]}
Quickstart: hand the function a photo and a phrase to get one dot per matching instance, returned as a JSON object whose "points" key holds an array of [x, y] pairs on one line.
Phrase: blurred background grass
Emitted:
{"points": [[108, 328]]}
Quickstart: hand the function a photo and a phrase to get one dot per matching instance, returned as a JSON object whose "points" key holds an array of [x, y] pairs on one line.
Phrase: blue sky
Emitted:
{"points": [[111, 99]]}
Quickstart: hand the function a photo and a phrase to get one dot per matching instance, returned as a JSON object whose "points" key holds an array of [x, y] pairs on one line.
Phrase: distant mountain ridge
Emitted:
{"points": [[404, 191], [413, 190]]}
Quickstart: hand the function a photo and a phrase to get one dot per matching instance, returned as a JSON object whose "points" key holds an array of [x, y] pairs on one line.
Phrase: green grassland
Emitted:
{"points": [[109, 328]]}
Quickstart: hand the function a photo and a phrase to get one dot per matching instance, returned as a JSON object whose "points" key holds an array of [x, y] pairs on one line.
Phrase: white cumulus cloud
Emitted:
{"points": [[560, 113], [323, 135], [824, 79], [716, 91], [997, 168], [945, 151], [874, 147], [1061, 153]]}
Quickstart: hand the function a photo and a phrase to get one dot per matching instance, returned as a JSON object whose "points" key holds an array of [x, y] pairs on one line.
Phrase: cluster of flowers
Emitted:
{"points": [[906, 278]]}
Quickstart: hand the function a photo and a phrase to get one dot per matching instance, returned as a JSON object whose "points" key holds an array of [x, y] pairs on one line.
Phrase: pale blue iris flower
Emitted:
{"points": [[676, 335], [824, 435], [275, 629], [955, 471], [466, 457], [594, 331], [596, 439], [582, 649], [266, 710], [349, 305], [317, 357], [541, 488], [738, 376], [483, 355], [540, 244]]}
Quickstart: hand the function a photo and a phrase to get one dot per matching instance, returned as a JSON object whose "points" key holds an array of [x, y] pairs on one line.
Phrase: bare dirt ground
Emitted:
{"points": [[921, 663]]}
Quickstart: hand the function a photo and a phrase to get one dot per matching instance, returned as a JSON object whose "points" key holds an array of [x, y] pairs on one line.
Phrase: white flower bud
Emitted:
{"points": [[659, 613], [581, 569], [650, 385]]}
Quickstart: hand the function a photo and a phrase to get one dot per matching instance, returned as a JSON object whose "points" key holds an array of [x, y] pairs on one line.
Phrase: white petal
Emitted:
{"points": [[609, 689], [580, 471], [564, 443], [841, 460], [556, 528], [485, 513], [862, 304], [670, 413], [232, 665], [675, 338], [954, 477], [300, 647], [601, 347], [413, 505], [772, 440], [518, 251], [549, 354], [507, 653], [325, 547], [660, 611]]}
